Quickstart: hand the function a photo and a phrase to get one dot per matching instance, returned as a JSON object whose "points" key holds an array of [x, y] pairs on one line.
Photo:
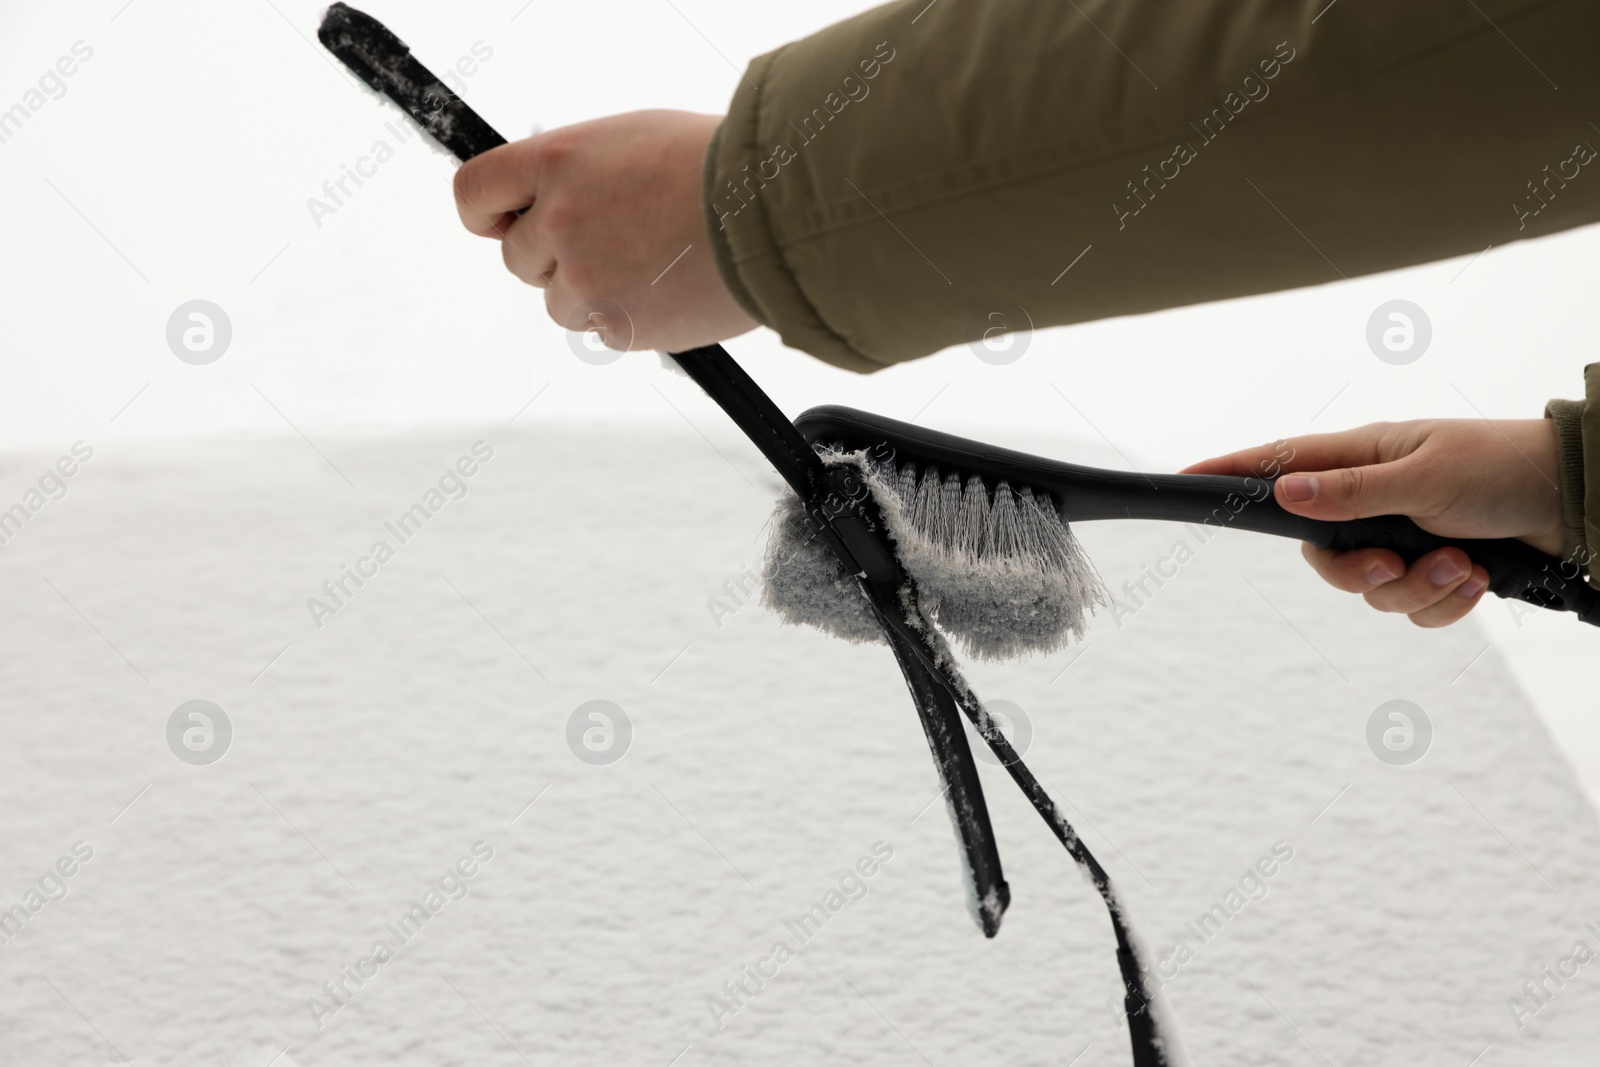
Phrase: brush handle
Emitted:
{"points": [[1516, 569]]}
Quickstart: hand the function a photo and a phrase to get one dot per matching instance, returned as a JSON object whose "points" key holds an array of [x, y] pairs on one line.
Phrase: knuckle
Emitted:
{"points": [[1433, 620], [1354, 568], [560, 309], [578, 281], [1376, 602], [1342, 570], [551, 149], [1350, 484], [559, 221], [515, 259], [1403, 601], [468, 183]]}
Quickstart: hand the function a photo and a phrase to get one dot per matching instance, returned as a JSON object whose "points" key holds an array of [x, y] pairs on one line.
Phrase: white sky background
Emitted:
{"points": [[193, 138]]}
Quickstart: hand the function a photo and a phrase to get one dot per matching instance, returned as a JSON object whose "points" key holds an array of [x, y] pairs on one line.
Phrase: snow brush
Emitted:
{"points": [[985, 533], [847, 520]]}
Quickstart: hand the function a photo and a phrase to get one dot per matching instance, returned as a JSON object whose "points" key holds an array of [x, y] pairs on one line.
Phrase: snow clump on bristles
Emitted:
{"points": [[998, 571]]}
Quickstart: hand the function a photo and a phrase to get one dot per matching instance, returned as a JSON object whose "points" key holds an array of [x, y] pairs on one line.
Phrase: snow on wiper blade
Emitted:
{"points": [[385, 63]]}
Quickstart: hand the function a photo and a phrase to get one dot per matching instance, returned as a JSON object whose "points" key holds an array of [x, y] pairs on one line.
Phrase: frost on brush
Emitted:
{"points": [[996, 569], [807, 585]]}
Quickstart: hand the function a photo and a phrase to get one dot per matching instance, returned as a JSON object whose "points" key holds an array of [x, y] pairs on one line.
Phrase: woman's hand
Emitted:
{"points": [[614, 218], [1454, 477]]}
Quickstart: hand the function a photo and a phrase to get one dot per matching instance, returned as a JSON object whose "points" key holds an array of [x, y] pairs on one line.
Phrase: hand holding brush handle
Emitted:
{"points": [[603, 216], [1441, 506], [1463, 479]]}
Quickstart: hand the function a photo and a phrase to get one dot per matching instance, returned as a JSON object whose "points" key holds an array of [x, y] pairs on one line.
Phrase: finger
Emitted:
{"points": [[1378, 442], [1454, 607], [1403, 487], [498, 183], [1427, 581], [1360, 571], [1262, 461], [610, 324], [1360, 446], [527, 250], [563, 309]]}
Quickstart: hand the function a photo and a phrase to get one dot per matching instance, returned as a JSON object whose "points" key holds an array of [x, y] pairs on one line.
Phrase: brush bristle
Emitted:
{"points": [[804, 582], [996, 568]]}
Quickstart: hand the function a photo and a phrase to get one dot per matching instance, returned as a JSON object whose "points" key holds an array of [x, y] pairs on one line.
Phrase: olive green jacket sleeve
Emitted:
{"points": [[1577, 424], [880, 190]]}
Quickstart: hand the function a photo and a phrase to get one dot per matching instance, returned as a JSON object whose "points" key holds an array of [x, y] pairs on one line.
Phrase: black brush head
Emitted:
{"points": [[385, 63]]}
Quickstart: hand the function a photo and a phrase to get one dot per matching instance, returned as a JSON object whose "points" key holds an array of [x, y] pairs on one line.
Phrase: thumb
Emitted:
{"points": [[1352, 492]]}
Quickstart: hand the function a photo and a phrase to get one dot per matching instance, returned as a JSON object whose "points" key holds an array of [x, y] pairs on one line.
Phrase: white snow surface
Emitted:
{"points": [[1226, 715]]}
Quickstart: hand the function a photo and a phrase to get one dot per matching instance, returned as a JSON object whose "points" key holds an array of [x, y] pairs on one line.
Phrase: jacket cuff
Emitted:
{"points": [[721, 250], [1590, 538], [1577, 425], [739, 220], [1568, 418]]}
